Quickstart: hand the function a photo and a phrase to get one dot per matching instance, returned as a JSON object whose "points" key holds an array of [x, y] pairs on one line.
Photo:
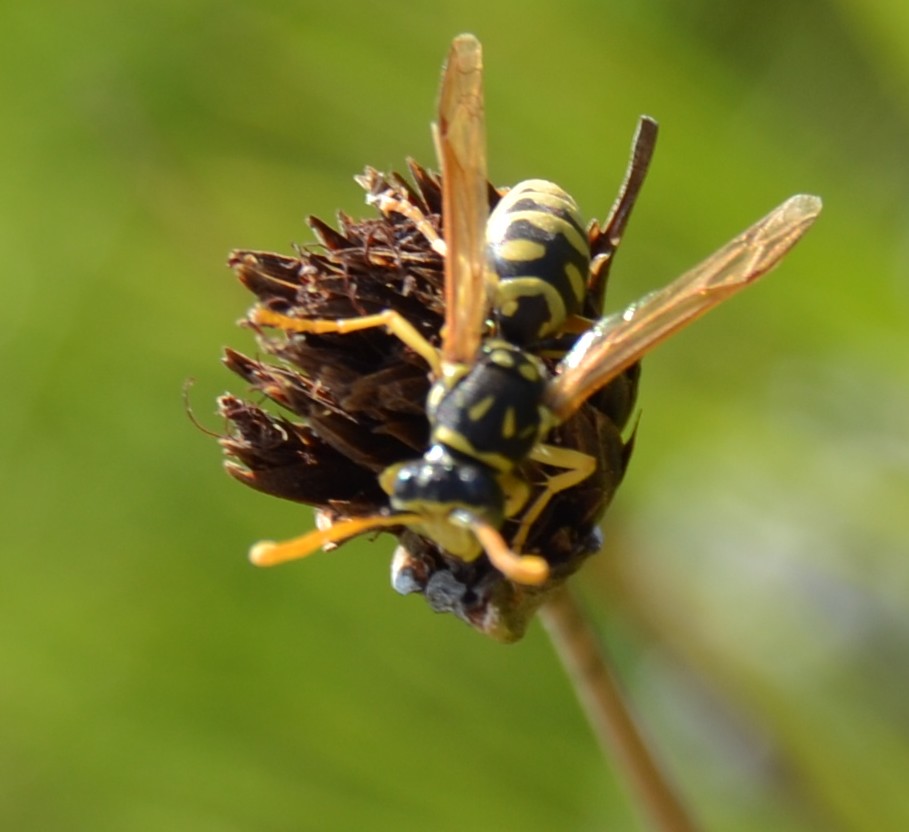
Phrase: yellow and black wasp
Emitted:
{"points": [[517, 281]]}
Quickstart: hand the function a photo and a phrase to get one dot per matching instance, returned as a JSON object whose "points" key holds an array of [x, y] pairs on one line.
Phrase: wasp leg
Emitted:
{"points": [[270, 553], [388, 204], [530, 570], [578, 467], [577, 324], [393, 321]]}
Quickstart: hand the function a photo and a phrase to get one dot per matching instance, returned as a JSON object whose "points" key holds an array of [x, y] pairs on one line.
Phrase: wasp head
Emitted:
{"points": [[448, 494]]}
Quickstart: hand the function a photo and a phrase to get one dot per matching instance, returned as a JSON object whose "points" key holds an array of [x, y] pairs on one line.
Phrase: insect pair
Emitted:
{"points": [[516, 284]]}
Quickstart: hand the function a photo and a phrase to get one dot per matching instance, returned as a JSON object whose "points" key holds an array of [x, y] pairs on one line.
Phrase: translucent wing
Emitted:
{"points": [[461, 146], [618, 340]]}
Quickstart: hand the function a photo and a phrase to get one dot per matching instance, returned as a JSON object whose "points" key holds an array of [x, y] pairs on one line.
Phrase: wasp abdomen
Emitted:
{"points": [[538, 249]]}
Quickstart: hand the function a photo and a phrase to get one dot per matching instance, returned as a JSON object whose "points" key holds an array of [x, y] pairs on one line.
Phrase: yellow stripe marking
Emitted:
{"points": [[508, 423], [480, 409]]}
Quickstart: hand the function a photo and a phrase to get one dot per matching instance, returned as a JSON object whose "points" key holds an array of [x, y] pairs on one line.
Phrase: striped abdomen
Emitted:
{"points": [[538, 248]]}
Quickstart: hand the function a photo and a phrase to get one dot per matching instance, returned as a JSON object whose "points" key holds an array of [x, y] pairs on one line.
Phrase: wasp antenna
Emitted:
{"points": [[270, 553], [530, 570]]}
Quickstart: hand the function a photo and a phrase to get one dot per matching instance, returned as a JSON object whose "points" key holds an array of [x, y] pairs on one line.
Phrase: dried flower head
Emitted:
{"points": [[355, 403]]}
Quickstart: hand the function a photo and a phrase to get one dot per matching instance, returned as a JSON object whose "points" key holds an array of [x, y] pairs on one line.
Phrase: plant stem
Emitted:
{"points": [[585, 662]]}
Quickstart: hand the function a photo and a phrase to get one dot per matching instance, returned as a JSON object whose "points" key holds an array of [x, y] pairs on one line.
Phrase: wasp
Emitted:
{"points": [[516, 281]]}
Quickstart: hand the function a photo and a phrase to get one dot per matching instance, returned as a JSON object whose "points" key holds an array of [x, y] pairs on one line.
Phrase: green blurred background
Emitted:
{"points": [[755, 586]]}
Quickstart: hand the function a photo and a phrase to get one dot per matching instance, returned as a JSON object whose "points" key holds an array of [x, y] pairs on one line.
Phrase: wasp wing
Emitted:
{"points": [[617, 341], [460, 137]]}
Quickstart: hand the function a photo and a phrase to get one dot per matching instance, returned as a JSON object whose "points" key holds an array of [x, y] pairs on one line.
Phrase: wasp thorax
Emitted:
{"points": [[493, 414]]}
